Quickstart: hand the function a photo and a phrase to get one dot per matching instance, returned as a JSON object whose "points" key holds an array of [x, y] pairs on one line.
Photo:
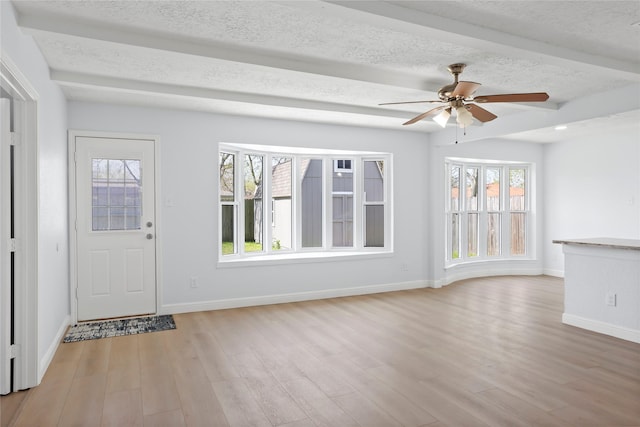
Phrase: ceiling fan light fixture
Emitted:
{"points": [[443, 117], [464, 117]]}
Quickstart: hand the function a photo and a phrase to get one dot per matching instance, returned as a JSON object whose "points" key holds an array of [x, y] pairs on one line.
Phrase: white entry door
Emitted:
{"points": [[115, 230]]}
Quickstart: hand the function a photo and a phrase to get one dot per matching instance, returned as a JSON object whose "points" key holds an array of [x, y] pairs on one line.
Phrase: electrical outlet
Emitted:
{"points": [[611, 299], [193, 282], [404, 266]]}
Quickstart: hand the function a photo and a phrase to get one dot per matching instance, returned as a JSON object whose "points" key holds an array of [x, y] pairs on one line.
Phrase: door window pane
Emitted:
{"points": [[281, 203], [116, 194], [311, 174]]}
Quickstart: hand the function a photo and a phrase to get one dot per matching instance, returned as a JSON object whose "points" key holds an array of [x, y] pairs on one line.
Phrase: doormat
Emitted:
{"points": [[119, 327]]}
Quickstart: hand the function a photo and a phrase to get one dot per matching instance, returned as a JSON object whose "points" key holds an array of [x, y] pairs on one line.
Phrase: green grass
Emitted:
{"points": [[227, 247]]}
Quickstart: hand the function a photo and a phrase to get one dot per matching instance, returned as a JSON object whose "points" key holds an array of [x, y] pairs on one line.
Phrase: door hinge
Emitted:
{"points": [[11, 245], [13, 351]]}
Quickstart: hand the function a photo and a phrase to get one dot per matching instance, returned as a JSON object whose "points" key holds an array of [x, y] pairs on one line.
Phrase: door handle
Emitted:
{"points": [[149, 224], [149, 236]]}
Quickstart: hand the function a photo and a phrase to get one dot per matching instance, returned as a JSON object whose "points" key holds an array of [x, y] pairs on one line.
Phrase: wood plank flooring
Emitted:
{"points": [[481, 352]]}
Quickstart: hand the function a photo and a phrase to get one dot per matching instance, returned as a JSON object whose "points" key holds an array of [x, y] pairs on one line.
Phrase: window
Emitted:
{"points": [[342, 165], [316, 202], [117, 191], [490, 218]]}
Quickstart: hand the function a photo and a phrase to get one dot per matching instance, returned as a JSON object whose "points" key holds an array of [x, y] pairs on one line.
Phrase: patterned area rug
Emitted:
{"points": [[119, 327]]}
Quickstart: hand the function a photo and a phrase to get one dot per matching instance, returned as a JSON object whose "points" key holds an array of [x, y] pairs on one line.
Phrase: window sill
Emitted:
{"points": [[301, 258], [487, 261]]}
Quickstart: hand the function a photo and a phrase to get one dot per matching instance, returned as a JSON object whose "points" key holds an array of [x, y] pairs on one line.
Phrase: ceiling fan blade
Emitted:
{"points": [[465, 89], [480, 113], [407, 102], [514, 97], [423, 115]]}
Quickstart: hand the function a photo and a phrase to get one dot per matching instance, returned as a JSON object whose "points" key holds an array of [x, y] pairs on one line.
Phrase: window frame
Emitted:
{"points": [[329, 162], [504, 212]]}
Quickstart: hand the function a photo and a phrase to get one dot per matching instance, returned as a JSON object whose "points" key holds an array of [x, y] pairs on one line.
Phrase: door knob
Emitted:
{"points": [[149, 224], [149, 236]]}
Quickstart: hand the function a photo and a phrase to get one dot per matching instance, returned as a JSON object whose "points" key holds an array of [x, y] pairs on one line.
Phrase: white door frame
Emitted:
{"points": [[27, 370], [73, 245]]}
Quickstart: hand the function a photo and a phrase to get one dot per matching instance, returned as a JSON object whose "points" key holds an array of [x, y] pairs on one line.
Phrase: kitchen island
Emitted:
{"points": [[602, 285]]}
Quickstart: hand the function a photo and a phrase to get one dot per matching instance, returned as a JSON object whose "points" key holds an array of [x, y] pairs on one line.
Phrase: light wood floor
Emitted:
{"points": [[483, 352]]}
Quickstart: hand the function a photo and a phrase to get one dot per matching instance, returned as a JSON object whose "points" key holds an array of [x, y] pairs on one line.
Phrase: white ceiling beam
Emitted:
{"points": [[394, 16], [68, 78], [221, 51], [593, 106]]}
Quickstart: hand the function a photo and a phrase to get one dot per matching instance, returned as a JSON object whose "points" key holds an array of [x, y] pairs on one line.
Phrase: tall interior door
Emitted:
{"points": [[115, 227]]}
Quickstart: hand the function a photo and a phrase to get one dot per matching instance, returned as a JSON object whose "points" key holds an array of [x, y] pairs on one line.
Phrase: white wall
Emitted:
{"points": [[502, 150], [188, 230], [53, 260], [592, 189]]}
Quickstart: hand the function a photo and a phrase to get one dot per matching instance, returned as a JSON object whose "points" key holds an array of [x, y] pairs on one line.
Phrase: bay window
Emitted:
{"points": [[487, 210]]}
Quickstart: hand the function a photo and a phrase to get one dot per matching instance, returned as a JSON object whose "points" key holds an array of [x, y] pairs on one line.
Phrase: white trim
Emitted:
{"points": [[452, 277], [27, 226], [554, 273], [51, 351], [621, 332], [73, 277], [290, 297]]}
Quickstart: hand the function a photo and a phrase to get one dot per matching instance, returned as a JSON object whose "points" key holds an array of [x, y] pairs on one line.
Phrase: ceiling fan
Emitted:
{"points": [[458, 96]]}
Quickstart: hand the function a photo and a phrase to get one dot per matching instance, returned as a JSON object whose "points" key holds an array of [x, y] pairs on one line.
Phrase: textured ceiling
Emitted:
{"points": [[336, 61]]}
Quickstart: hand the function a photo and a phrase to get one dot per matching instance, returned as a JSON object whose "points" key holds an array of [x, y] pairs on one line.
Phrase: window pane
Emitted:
{"points": [[228, 236], [472, 235], [281, 207], [116, 184], [493, 234], [227, 188], [253, 206], [373, 213], [374, 181], [342, 186], [471, 178], [311, 203], [516, 189], [455, 236], [454, 182], [518, 244], [343, 220], [492, 185], [374, 226], [227, 211]]}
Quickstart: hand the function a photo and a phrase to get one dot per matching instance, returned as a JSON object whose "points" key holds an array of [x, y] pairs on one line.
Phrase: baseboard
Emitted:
{"points": [[452, 277], [51, 351], [621, 332], [290, 297], [554, 273]]}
